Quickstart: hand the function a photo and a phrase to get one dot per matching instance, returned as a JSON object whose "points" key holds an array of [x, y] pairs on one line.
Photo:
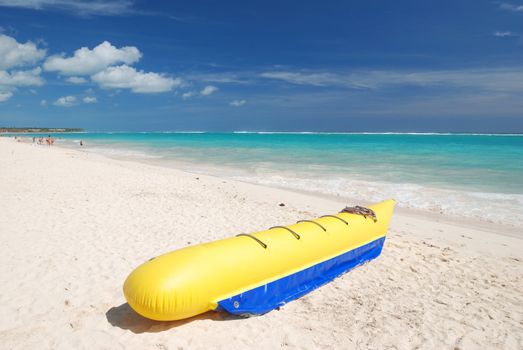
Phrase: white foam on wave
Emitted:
{"points": [[374, 133], [182, 132], [112, 151], [490, 207], [122, 152]]}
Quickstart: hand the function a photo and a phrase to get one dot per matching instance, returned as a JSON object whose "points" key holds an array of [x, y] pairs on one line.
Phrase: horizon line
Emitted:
{"points": [[261, 132]]}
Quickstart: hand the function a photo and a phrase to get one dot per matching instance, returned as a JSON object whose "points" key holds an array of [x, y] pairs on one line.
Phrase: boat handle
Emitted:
{"points": [[297, 236], [313, 222], [256, 239], [336, 217]]}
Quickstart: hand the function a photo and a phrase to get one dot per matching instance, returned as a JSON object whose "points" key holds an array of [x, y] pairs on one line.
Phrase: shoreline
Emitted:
{"points": [[491, 229], [75, 224], [488, 226], [509, 230], [494, 229], [465, 222]]}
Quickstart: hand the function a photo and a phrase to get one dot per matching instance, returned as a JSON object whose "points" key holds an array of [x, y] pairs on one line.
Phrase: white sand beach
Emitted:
{"points": [[74, 224]]}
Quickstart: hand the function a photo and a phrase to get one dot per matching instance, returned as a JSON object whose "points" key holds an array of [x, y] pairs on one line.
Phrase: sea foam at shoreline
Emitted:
{"points": [[471, 176]]}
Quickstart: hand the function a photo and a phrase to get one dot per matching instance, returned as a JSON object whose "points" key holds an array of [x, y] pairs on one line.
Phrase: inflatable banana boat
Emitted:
{"points": [[255, 273]]}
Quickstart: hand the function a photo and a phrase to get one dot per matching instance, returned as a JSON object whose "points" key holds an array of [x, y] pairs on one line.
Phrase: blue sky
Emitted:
{"points": [[262, 65]]}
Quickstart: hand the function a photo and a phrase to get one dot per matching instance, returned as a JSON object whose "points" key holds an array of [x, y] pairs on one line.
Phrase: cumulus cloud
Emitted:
{"points": [[237, 103], [105, 64], [208, 90], [89, 99], [21, 78], [65, 101], [86, 61], [76, 80], [5, 95], [15, 54], [77, 7], [188, 94], [125, 77], [43, 103]]}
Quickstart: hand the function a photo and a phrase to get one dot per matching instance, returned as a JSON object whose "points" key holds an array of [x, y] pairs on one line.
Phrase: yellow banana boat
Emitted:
{"points": [[253, 274]]}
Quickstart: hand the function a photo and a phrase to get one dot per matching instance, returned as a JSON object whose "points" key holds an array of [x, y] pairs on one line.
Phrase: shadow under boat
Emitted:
{"points": [[125, 317]]}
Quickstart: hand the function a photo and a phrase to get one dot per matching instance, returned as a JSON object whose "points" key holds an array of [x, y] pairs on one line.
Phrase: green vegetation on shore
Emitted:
{"points": [[44, 130]]}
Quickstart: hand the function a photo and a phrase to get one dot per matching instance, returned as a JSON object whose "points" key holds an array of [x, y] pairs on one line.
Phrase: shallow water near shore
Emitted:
{"points": [[461, 175]]}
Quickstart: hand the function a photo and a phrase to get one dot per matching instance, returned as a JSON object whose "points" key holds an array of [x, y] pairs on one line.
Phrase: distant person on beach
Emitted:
{"points": [[49, 140], [81, 143]]}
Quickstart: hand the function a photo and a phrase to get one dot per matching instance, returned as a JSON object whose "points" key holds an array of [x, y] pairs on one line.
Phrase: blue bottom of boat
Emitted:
{"points": [[275, 294]]}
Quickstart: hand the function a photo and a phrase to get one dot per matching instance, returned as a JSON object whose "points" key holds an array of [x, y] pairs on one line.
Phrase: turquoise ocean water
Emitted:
{"points": [[476, 176]]}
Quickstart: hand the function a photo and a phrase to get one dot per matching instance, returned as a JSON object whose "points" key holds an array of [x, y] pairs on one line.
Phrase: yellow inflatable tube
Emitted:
{"points": [[253, 274]]}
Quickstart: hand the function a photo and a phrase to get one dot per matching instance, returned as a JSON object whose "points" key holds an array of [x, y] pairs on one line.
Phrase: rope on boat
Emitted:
{"points": [[297, 236], [256, 239], [336, 217], [313, 222], [357, 210]]}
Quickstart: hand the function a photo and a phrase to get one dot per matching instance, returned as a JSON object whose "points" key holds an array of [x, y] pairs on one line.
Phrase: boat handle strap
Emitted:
{"points": [[297, 236], [336, 217], [256, 239], [313, 222]]}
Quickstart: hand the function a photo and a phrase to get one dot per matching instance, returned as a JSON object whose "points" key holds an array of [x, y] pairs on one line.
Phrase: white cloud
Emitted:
{"points": [[89, 100], [511, 7], [65, 101], [78, 7], [125, 77], [506, 79], [504, 34], [86, 61], [237, 103], [5, 95], [311, 78], [188, 94], [223, 78], [43, 103], [208, 90], [494, 79], [76, 80], [15, 54], [21, 78]]}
